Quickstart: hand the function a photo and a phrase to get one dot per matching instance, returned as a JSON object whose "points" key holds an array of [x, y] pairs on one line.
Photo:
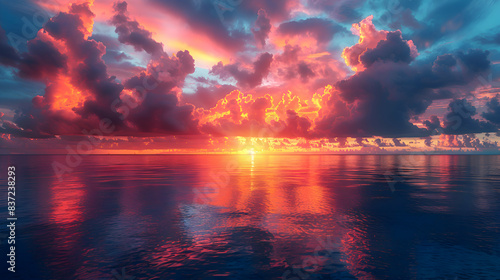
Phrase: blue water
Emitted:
{"points": [[255, 217]]}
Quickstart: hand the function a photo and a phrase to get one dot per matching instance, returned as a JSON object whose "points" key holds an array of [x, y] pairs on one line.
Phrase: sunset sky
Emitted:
{"points": [[249, 76]]}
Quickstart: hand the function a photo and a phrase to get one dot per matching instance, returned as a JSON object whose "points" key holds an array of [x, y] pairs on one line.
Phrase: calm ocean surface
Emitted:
{"points": [[255, 217]]}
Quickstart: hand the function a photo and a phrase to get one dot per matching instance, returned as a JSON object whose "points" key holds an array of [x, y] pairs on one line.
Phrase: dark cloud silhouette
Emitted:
{"points": [[305, 71], [289, 55], [493, 110], [131, 33], [459, 119], [8, 55], [262, 27], [380, 143], [398, 143], [433, 125], [245, 78], [160, 111], [474, 61], [382, 99], [394, 49], [41, 60]]}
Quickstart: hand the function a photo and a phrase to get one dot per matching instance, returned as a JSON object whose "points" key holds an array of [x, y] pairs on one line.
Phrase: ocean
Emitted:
{"points": [[253, 217]]}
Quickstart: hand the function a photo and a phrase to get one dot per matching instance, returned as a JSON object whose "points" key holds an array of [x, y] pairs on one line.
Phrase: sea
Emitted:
{"points": [[292, 217]]}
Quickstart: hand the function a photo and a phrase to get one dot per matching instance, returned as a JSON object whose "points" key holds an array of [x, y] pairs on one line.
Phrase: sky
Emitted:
{"points": [[241, 76]]}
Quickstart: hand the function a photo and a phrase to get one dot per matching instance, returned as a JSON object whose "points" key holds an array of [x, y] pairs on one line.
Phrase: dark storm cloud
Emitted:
{"points": [[398, 143], [459, 119], [383, 99], [131, 33], [245, 78], [160, 111], [394, 49], [379, 102], [305, 71], [433, 125], [42, 59], [475, 61], [91, 75], [380, 143], [493, 39], [289, 55], [493, 110], [296, 126], [8, 55], [262, 27], [12, 129]]}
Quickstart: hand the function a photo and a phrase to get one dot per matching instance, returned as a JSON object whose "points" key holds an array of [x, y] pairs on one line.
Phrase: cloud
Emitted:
{"points": [[160, 111], [41, 60], [305, 71], [433, 125], [8, 55], [387, 92], [375, 45], [493, 110], [262, 27], [341, 10], [467, 141], [131, 33], [459, 119], [80, 93], [380, 143], [375, 105], [398, 143], [244, 77], [393, 48]]}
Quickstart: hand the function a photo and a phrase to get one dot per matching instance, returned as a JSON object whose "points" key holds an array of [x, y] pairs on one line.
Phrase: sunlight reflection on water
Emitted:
{"points": [[259, 217]]}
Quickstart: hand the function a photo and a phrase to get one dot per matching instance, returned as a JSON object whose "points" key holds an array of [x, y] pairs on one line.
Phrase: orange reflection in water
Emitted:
{"points": [[258, 185], [268, 213], [66, 202], [66, 211]]}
